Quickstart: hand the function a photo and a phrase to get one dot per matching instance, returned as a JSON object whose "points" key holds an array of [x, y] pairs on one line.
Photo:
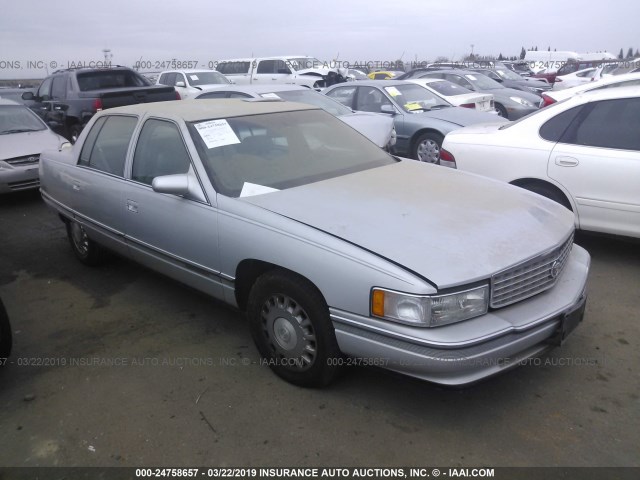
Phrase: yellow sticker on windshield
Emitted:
{"points": [[413, 106], [393, 91]]}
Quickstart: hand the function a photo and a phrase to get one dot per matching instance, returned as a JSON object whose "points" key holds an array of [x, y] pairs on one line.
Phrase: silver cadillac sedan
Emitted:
{"points": [[335, 249]]}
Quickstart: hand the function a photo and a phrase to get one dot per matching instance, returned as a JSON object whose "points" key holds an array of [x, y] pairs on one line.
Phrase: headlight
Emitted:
{"points": [[522, 101], [429, 310]]}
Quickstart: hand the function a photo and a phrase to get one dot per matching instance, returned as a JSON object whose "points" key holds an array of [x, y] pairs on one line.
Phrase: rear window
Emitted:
{"points": [[100, 80], [448, 89], [229, 68]]}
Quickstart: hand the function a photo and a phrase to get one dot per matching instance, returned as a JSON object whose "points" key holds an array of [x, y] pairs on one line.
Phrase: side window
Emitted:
{"points": [[160, 151], [106, 150], [281, 67], [59, 88], [379, 76], [44, 92], [168, 79], [586, 73], [344, 95], [266, 66], [609, 124], [458, 80], [554, 128], [370, 99]]}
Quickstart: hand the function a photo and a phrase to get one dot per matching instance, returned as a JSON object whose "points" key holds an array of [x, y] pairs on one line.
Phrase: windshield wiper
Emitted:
{"points": [[19, 130], [439, 106]]}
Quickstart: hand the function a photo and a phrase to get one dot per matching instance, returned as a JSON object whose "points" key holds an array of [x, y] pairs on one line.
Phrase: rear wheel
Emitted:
{"points": [[502, 112], [290, 325], [427, 148], [85, 249]]}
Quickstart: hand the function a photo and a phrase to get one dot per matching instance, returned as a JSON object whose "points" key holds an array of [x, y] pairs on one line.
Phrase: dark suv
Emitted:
{"points": [[67, 99]]}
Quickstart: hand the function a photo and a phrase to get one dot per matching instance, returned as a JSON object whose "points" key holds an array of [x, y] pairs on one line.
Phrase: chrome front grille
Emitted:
{"points": [[27, 160], [529, 278]]}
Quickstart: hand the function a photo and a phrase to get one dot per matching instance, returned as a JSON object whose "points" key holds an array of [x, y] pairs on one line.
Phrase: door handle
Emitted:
{"points": [[567, 161], [132, 206]]}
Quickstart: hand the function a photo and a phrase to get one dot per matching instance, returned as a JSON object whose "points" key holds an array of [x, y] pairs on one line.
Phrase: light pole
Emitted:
{"points": [[472, 45]]}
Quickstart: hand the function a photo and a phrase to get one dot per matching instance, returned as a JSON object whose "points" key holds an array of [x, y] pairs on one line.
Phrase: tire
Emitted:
{"points": [[5, 335], [290, 325], [549, 192], [85, 249], [74, 131], [502, 112], [427, 147]]}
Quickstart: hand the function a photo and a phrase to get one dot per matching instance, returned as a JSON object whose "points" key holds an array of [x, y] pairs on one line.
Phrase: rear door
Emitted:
{"points": [[598, 161], [98, 182]]}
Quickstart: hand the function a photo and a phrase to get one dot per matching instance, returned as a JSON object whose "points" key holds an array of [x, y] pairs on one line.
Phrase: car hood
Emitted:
{"points": [[449, 227], [28, 143], [460, 116], [375, 127]]}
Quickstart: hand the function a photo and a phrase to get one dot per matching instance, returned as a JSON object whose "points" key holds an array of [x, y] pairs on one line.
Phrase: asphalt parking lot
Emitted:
{"points": [[119, 366]]}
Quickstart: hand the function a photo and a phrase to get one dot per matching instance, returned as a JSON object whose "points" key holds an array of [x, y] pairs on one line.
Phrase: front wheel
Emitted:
{"points": [[427, 148], [502, 112], [290, 324], [85, 249], [5, 335]]}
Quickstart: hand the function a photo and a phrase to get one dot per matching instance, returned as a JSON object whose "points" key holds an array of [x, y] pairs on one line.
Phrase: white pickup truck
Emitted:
{"points": [[297, 70], [191, 83]]}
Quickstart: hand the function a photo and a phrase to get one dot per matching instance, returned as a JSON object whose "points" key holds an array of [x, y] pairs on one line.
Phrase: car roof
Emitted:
{"points": [[372, 83], [258, 89], [611, 93], [193, 110], [188, 70]]}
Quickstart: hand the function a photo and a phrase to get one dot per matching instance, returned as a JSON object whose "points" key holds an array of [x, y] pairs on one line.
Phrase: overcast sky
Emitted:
{"points": [[356, 30]]}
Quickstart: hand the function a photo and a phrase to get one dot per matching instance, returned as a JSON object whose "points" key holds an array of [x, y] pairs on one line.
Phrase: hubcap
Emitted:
{"points": [[80, 239], [289, 332], [429, 151]]}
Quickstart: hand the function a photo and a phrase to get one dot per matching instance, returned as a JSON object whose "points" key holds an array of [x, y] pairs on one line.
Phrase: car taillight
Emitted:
{"points": [[468, 105], [547, 100], [447, 159], [178, 96], [97, 104]]}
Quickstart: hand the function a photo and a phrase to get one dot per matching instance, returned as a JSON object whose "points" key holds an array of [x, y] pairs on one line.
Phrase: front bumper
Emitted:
{"points": [[469, 351], [19, 178]]}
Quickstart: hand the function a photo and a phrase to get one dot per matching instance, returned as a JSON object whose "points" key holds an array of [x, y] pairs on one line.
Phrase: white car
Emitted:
{"points": [[625, 80], [574, 79], [191, 83], [583, 153], [457, 94]]}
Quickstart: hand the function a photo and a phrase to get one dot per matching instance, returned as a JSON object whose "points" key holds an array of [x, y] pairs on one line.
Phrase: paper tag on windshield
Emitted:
{"points": [[270, 95], [393, 91], [249, 189], [216, 133], [194, 77], [413, 106]]}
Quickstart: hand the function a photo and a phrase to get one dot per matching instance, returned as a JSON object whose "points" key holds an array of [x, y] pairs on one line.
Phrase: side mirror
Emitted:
{"points": [[386, 108], [28, 96], [171, 184], [180, 84]]}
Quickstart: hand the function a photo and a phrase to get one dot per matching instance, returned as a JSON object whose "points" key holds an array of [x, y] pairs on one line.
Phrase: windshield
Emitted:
{"points": [[448, 89], [99, 80], [482, 82], [206, 78], [507, 74], [276, 151], [357, 74], [302, 63], [415, 99], [18, 119], [312, 98]]}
